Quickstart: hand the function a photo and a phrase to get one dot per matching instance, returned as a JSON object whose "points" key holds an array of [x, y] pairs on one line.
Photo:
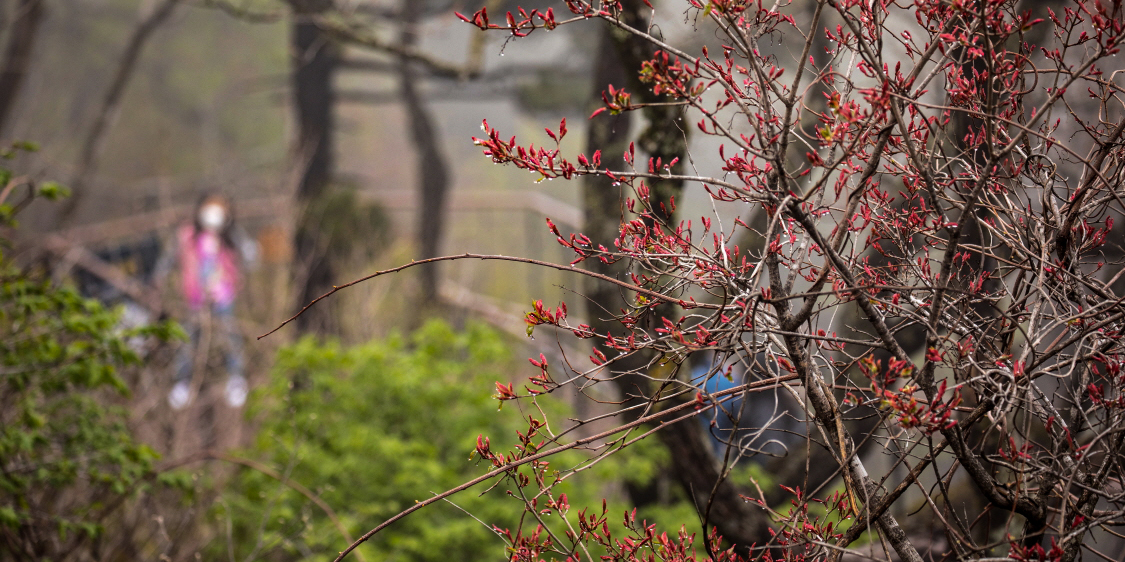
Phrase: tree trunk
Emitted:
{"points": [[17, 55], [433, 174], [619, 59], [600, 197], [315, 59]]}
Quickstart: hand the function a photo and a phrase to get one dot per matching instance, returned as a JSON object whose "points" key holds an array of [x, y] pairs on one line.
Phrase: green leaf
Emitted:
{"points": [[9, 517], [53, 191]]}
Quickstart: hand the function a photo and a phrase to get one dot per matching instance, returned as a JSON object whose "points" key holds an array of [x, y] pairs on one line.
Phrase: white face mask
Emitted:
{"points": [[212, 217]]}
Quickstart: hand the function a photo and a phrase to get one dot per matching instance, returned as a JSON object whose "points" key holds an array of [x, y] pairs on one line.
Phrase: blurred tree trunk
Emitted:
{"points": [[314, 63], [603, 206], [619, 58], [433, 171], [17, 55]]}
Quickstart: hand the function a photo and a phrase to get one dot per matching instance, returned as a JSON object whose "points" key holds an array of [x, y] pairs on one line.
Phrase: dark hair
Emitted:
{"points": [[226, 233]]}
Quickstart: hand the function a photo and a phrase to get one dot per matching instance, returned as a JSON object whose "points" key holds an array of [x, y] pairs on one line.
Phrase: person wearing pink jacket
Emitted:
{"points": [[210, 251]]}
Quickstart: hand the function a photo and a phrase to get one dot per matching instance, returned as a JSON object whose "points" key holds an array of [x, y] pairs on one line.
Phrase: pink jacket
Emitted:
{"points": [[208, 268]]}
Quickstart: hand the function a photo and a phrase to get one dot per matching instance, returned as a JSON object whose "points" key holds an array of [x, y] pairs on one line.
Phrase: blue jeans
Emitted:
{"points": [[224, 329]]}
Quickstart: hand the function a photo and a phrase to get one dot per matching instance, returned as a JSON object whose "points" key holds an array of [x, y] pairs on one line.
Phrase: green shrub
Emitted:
{"points": [[371, 429], [67, 460]]}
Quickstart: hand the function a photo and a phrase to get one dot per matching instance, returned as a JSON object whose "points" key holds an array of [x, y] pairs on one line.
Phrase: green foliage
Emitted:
{"points": [[552, 91], [53, 191], [8, 182], [644, 464], [66, 458], [345, 227], [371, 429]]}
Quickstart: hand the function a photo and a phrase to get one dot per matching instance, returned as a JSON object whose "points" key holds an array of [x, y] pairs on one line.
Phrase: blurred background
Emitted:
{"points": [[141, 107]]}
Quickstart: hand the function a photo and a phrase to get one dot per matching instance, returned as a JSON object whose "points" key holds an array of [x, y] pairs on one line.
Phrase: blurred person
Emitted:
{"points": [[210, 252], [759, 424]]}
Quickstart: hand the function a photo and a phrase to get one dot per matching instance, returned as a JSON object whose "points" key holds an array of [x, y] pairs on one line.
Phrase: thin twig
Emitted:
{"points": [[654, 294]]}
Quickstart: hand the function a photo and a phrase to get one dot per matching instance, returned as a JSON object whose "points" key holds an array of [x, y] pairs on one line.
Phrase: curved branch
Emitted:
{"points": [[107, 113], [17, 54], [350, 33], [648, 293]]}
